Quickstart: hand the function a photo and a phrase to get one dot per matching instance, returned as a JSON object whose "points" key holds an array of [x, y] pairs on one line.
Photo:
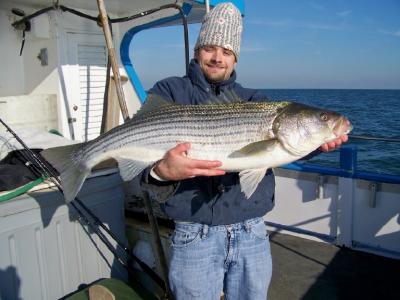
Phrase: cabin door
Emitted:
{"points": [[85, 85]]}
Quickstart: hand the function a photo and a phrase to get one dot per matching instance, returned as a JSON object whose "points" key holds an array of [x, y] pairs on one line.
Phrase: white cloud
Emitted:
{"points": [[344, 13], [319, 26], [273, 23], [253, 49], [395, 33], [290, 24]]}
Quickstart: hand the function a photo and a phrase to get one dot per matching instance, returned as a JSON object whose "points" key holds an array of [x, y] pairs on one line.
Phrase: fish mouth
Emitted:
{"points": [[342, 126]]}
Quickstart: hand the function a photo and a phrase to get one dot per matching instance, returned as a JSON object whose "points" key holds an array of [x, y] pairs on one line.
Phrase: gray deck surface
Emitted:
{"points": [[310, 270], [305, 269]]}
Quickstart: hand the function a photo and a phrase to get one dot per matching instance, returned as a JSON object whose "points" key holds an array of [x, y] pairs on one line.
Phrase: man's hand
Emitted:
{"points": [[339, 141], [177, 166], [334, 144]]}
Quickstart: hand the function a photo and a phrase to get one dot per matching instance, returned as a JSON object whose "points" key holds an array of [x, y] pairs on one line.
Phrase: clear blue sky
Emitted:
{"points": [[295, 44]]}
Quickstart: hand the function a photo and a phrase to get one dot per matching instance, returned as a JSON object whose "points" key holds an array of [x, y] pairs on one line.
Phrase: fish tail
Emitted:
{"points": [[72, 173]]}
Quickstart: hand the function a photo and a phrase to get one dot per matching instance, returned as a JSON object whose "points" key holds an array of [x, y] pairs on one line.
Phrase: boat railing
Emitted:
{"points": [[348, 166], [353, 186]]}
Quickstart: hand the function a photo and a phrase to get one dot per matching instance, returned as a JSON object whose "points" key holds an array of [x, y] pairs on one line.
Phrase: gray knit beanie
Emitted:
{"points": [[222, 27]]}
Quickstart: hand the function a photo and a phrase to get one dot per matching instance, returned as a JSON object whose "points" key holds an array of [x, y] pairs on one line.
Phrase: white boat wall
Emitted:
{"points": [[46, 252], [58, 83], [352, 212]]}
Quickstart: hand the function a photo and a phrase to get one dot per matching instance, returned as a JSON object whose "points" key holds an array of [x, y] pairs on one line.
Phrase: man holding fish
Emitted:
{"points": [[205, 148], [220, 243]]}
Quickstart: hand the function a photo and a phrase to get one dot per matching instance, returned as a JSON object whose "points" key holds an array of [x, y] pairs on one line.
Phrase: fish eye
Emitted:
{"points": [[324, 117]]}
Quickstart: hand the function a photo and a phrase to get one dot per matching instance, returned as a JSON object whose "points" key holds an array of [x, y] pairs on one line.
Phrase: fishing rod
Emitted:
{"points": [[43, 169], [375, 138]]}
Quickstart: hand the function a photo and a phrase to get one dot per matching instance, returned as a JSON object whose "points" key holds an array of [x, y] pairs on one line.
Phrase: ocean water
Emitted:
{"points": [[372, 112]]}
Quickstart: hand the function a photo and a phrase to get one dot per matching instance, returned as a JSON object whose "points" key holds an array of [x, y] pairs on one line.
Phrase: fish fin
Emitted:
{"points": [[60, 157], [153, 102], [72, 180], [255, 148], [72, 175], [129, 168], [249, 180]]}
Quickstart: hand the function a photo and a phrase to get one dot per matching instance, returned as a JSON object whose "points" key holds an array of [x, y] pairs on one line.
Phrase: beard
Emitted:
{"points": [[215, 77]]}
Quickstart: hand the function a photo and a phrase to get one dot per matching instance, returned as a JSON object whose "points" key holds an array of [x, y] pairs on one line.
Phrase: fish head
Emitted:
{"points": [[301, 128]]}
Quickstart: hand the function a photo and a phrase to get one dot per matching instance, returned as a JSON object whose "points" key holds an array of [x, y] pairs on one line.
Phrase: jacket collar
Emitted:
{"points": [[197, 77]]}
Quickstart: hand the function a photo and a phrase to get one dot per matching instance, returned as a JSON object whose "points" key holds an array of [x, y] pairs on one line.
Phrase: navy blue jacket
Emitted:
{"points": [[209, 200]]}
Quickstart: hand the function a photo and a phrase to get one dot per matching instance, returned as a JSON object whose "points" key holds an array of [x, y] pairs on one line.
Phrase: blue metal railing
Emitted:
{"points": [[348, 168], [324, 237]]}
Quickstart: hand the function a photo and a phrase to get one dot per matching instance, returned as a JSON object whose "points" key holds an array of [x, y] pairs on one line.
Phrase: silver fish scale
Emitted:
{"points": [[223, 126]]}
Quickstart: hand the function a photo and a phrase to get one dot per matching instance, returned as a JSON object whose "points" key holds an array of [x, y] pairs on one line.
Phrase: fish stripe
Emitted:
{"points": [[207, 124]]}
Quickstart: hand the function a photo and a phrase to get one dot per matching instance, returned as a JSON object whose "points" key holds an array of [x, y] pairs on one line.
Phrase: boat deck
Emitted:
{"points": [[310, 270], [305, 269]]}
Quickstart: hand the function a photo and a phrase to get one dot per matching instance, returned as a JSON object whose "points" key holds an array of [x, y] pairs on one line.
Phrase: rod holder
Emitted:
{"points": [[373, 189], [320, 188]]}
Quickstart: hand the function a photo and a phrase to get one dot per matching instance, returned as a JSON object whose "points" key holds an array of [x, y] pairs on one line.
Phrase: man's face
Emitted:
{"points": [[216, 62]]}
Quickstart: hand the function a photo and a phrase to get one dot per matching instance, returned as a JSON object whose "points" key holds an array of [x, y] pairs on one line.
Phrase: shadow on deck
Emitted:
{"points": [[308, 270]]}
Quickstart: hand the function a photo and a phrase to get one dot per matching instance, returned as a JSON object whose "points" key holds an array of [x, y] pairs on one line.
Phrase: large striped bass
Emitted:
{"points": [[247, 137]]}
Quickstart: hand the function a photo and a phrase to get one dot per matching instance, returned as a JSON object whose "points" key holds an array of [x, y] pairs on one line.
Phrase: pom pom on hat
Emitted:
{"points": [[222, 27]]}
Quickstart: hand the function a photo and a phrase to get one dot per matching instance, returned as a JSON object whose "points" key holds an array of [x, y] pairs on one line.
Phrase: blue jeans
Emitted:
{"points": [[206, 260]]}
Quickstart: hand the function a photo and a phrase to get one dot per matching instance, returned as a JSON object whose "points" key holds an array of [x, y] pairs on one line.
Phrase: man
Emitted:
{"points": [[220, 241]]}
